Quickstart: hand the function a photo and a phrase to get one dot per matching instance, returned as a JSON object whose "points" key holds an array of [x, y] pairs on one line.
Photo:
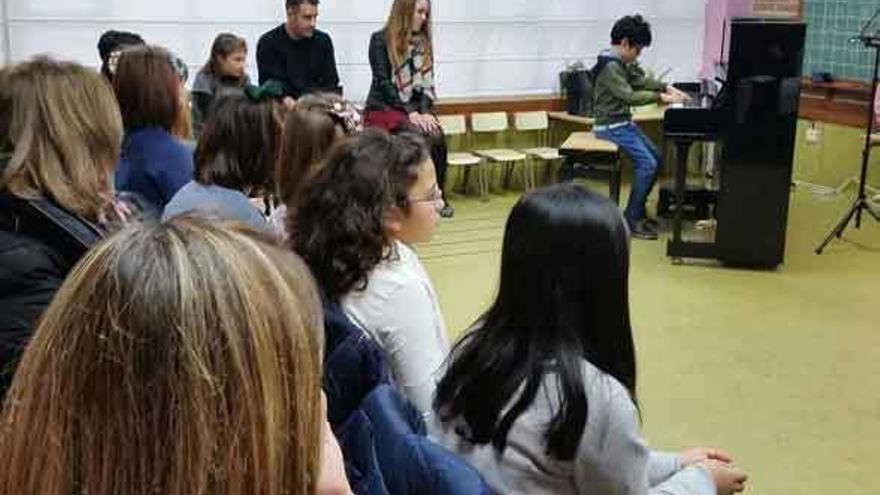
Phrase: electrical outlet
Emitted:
{"points": [[814, 135]]}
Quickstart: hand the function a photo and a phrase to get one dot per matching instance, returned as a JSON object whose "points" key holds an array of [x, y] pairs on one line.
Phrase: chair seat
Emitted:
{"points": [[463, 159], [502, 155], [543, 153], [587, 142]]}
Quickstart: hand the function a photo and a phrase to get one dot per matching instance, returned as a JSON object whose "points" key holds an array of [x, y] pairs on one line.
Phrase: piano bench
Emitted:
{"points": [[587, 156]]}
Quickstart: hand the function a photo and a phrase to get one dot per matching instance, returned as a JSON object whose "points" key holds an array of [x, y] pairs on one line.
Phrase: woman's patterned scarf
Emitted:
{"points": [[416, 74]]}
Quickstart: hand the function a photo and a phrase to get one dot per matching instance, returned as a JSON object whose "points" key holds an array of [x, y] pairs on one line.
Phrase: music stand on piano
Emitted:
{"points": [[861, 202]]}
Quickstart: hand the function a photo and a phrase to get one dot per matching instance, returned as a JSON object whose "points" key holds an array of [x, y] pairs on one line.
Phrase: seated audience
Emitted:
{"points": [[224, 73], [178, 358], [110, 47], [154, 163], [297, 55], [235, 159], [355, 225], [60, 134], [540, 395], [318, 121], [402, 93]]}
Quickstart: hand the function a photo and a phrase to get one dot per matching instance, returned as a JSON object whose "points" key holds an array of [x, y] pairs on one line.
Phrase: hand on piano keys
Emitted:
{"points": [[674, 96]]}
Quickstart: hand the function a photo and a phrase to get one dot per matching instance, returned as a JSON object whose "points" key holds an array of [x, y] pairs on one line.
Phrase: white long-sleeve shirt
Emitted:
{"points": [[400, 310], [612, 457]]}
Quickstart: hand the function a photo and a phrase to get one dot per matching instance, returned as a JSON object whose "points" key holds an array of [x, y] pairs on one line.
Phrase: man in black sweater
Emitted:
{"points": [[297, 55]]}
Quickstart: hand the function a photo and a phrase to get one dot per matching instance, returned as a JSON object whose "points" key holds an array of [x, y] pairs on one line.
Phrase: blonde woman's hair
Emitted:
{"points": [[63, 125], [183, 126], [181, 358], [398, 33]]}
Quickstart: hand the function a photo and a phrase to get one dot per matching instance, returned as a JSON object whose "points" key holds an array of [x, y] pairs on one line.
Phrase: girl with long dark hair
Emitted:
{"points": [[540, 395], [223, 74]]}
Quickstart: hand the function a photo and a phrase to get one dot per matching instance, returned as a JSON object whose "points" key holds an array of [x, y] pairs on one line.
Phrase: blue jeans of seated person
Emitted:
{"points": [[646, 160]]}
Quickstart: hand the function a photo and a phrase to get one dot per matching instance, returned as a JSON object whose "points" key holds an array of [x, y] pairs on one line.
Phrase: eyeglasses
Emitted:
{"points": [[435, 195]]}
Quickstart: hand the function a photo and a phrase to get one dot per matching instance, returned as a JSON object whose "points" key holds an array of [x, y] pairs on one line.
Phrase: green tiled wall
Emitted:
{"points": [[830, 24]]}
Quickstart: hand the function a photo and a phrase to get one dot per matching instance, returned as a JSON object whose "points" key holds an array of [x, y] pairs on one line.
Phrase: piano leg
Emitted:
{"points": [[682, 147]]}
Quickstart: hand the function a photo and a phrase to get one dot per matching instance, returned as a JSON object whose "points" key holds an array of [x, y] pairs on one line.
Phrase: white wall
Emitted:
{"points": [[4, 53], [484, 47]]}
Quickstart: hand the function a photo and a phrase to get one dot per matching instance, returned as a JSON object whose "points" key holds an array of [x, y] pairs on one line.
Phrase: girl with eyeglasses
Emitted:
{"points": [[355, 224]]}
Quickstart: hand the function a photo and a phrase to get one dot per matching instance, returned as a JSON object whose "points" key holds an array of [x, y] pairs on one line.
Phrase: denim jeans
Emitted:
{"points": [[646, 161]]}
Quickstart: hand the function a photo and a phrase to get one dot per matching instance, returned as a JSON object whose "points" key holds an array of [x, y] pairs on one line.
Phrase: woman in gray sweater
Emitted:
{"points": [[540, 395]]}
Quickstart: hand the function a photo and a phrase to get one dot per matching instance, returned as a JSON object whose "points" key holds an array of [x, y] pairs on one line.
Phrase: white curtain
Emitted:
{"points": [[5, 56], [484, 47]]}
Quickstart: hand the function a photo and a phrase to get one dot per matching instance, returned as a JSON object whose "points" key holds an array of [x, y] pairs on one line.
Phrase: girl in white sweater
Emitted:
{"points": [[354, 223]]}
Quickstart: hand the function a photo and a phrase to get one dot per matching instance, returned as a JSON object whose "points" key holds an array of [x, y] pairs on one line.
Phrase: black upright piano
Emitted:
{"points": [[754, 117]]}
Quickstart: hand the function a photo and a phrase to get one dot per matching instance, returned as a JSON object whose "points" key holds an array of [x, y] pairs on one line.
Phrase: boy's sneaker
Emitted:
{"points": [[643, 230], [652, 223]]}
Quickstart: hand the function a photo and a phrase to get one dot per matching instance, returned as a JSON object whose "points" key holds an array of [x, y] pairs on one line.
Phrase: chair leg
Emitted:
{"points": [[614, 182], [483, 176], [548, 172], [533, 173], [533, 182], [530, 168]]}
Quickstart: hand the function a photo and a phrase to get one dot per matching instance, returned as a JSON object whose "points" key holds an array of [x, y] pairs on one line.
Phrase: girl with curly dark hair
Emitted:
{"points": [[354, 224]]}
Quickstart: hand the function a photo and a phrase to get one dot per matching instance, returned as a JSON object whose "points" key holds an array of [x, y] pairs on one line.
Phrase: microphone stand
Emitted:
{"points": [[861, 203]]}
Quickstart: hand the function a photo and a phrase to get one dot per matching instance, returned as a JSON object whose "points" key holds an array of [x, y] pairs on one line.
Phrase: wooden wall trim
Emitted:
{"points": [[848, 113], [839, 102], [467, 106]]}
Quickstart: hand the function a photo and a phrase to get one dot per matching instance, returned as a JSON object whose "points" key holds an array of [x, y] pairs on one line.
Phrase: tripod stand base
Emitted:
{"points": [[860, 204]]}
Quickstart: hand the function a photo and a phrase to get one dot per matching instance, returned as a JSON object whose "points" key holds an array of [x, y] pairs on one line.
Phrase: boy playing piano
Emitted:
{"points": [[620, 83]]}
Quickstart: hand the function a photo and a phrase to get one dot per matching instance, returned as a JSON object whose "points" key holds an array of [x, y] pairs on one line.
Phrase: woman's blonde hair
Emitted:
{"points": [[398, 33], [180, 358], [63, 124], [183, 126]]}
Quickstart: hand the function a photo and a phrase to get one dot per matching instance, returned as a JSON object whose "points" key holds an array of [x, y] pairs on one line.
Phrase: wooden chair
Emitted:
{"points": [[536, 122], [495, 123], [455, 125]]}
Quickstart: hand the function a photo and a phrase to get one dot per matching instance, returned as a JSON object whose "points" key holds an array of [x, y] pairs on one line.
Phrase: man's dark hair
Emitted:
{"points": [[294, 4], [633, 28], [111, 41]]}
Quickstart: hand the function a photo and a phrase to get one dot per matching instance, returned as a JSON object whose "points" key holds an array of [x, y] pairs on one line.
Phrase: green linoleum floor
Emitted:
{"points": [[781, 367]]}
